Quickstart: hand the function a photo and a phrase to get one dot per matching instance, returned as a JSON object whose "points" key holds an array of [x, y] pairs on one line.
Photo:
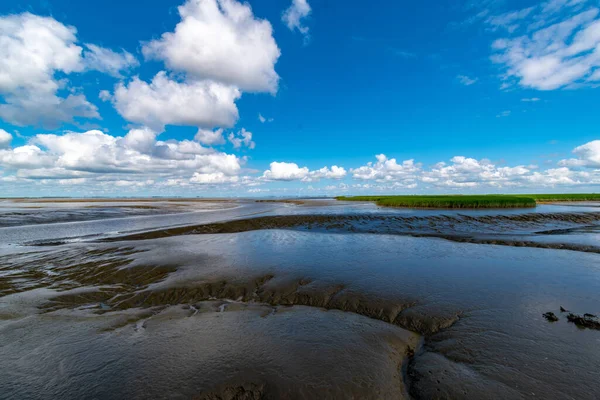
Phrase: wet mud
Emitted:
{"points": [[112, 283], [502, 230], [308, 306]]}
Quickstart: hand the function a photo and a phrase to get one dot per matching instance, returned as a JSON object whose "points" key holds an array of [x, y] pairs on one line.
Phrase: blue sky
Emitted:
{"points": [[503, 93]]}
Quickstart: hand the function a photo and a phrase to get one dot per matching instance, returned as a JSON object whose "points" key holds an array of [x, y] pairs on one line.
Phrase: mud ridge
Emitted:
{"points": [[258, 290], [458, 228], [517, 243]]}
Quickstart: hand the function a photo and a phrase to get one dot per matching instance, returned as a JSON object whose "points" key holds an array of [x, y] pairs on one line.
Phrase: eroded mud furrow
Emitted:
{"points": [[113, 284], [258, 290]]}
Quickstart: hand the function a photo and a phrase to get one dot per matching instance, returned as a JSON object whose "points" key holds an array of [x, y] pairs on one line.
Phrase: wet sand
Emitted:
{"points": [[305, 306]]}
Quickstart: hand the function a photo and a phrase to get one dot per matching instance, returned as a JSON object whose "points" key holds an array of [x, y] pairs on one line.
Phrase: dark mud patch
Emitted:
{"points": [[588, 321], [550, 316]]}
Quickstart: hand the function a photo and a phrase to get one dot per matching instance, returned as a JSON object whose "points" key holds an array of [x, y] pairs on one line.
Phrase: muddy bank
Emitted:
{"points": [[458, 228]]}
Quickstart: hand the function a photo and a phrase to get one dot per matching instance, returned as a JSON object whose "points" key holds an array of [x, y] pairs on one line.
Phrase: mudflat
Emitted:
{"points": [[311, 300]]}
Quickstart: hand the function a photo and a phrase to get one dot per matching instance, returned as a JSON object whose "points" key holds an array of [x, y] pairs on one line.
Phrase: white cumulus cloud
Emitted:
{"points": [[136, 157], [34, 49], [334, 172], [168, 102], [220, 40], [588, 155], [283, 171], [210, 138], [387, 170], [37, 55]]}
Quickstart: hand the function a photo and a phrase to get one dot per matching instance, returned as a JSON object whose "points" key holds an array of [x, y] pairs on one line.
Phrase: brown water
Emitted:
{"points": [[332, 301]]}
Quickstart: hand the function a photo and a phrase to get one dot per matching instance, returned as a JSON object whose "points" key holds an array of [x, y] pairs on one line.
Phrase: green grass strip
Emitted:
{"points": [[467, 201]]}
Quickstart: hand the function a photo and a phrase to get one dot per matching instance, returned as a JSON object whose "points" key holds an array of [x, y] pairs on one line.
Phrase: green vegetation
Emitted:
{"points": [[475, 201], [551, 198], [472, 201]]}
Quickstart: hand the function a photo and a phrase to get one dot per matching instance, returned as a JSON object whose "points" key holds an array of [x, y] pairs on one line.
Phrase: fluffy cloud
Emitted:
{"points": [[26, 157], [334, 172], [282, 171], [141, 140], [220, 40], [168, 102], [35, 51], [468, 172], [387, 170], [5, 138], [137, 160], [217, 50], [209, 138], [555, 44], [241, 138], [588, 155], [136, 157], [293, 16]]}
